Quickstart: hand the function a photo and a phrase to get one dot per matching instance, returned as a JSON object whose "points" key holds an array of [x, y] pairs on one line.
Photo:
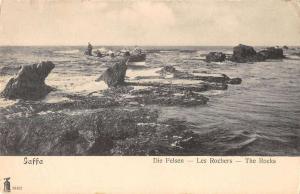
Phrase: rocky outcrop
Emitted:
{"points": [[115, 75], [137, 57], [272, 53], [108, 131], [65, 134], [285, 47], [29, 84], [243, 53], [211, 78], [215, 57]]}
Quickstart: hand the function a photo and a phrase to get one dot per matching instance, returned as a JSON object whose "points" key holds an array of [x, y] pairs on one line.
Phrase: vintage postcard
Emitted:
{"points": [[150, 96]]}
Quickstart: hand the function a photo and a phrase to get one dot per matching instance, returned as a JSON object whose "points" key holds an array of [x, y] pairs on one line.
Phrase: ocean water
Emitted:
{"points": [[259, 117]]}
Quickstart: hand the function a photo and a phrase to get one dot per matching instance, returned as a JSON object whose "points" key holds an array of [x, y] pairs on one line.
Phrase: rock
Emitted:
{"points": [[217, 81], [56, 133], [179, 84], [215, 57], [296, 54], [285, 47], [272, 53], [243, 53], [29, 84], [137, 57], [99, 54], [115, 75], [235, 81], [168, 96], [167, 69]]}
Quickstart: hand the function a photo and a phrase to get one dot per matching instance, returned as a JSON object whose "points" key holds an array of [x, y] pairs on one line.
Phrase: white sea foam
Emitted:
{"points": [[76, 84]]}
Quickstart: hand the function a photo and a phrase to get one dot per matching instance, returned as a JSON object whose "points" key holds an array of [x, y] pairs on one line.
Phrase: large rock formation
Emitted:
{"points": [[29, 84], [272, 53], [215, 57], [115, 75], [243, 53]]}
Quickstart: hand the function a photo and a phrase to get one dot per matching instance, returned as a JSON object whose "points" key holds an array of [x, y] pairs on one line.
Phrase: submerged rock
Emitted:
{"points": [[29, 84], [215, 57], [296, 54], [272, 53], [235, 81], [168, 96], [115, 75], [217, 78]]}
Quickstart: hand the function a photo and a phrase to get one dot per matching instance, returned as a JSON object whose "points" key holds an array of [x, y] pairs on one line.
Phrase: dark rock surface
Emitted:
{"points": [[115, 75], [120, 121], [235, 81], [215, 78], [272, 53], [215, 57], [29, 84], [105, 131], [65, 133], [137, 57], [296, 54], [243, 53]]}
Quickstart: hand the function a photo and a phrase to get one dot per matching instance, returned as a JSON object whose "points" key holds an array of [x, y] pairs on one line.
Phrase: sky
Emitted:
{"points": [[150, 22]]}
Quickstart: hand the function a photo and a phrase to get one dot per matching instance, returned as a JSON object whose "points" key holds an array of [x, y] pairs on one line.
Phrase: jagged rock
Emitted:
{"points": [[115, 75], [215, 57], [272, 53], [29, 84]]}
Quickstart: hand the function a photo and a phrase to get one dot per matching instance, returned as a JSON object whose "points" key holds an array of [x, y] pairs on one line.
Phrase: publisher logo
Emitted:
{"points": [[6, 185]]}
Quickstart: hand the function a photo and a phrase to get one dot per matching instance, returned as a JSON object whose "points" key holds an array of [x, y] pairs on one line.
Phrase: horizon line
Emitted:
{"points": [[130, 45]]}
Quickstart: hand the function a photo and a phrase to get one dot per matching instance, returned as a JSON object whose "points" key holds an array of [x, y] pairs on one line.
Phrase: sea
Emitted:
{"points": [[261, 116]]}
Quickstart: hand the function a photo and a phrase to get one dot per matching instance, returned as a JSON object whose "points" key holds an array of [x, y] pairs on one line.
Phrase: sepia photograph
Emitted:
{"points": [[149, 78]]}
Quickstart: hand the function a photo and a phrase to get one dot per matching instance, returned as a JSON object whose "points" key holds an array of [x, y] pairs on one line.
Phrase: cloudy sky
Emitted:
{"points": [[146, 22]]}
